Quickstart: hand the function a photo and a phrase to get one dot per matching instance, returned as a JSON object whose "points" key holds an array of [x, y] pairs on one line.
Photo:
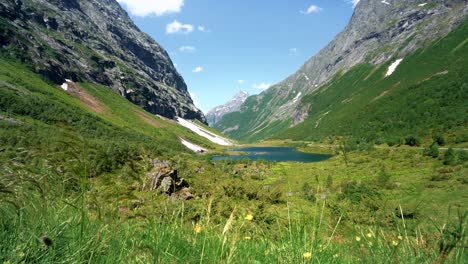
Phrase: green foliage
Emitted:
{"points": [[450, 157], [358, 191], [432, 150], [383, 177], [329, 181], [439, 139], [412, 141]]}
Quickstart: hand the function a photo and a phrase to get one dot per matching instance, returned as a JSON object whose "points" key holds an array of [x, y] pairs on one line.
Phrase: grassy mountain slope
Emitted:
{"points": [[43, 118], [428, 93]]}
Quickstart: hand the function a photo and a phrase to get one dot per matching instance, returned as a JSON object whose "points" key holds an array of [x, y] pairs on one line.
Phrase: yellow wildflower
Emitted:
{"points": [[197, 228], [400, 238], [336, 255], [358, 239], [247, 238], [249, 217], [369, 235], [307, 255], [370, 244], [395, 243]]}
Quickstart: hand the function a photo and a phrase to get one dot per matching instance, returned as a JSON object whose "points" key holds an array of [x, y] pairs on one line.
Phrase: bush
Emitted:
{"points": [[432, 150], [357, 191], [412, 141], [450, 158], [462, 156], [439, 139]]}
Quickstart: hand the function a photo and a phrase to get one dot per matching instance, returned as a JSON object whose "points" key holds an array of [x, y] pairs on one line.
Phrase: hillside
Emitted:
{"points": [[377, 35], [94, 41]]}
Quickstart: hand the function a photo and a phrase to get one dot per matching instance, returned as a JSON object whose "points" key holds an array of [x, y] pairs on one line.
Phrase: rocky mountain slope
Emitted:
{"points": [[214, 115], [379, 32], [94, 41]]}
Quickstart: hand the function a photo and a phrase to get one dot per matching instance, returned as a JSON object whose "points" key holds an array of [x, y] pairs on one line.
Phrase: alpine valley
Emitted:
{"points": [[104, 158]]}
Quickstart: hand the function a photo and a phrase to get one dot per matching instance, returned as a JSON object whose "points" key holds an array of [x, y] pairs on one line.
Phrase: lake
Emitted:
{"points": [[275, 154]]}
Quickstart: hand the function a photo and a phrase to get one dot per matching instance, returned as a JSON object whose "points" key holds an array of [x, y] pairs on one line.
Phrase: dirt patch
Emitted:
{"points": [[385, 92], [85, 98], [148, 119]]}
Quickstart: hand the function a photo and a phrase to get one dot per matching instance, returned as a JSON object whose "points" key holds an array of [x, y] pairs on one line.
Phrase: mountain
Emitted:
{"points": [[378, 34], [215, 114], [94, 41]]}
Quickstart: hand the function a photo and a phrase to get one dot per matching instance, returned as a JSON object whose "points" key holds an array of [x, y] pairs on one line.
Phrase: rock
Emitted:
{"points": [[184, 194], [162, 177]]}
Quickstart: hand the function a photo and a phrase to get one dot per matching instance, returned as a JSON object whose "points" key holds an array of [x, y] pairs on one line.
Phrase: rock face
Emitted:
{"points": [[379, 31], [217, 113], [94, 41]]}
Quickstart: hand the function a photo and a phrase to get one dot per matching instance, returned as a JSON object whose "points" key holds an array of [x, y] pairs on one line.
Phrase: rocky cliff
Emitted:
{"points": [[214, 115], [94, 41], [378, 32]]}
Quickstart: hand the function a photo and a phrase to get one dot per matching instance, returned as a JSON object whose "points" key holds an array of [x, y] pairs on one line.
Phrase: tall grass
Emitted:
{"points": [[42, 221]]}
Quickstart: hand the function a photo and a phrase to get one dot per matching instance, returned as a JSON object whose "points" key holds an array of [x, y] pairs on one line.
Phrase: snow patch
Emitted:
{"points": [[64, 86], [297, 97], [421, 5], [204, 133], [393, 67], [192, 146], [385, 2], [307, 77]]}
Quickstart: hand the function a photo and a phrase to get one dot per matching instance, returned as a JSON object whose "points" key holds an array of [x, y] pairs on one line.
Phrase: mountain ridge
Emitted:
{"points": [[375, 34], [233, 105], [95, 41]]}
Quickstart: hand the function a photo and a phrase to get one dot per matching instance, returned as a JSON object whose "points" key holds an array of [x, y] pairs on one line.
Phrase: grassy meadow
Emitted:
{"points": [[389, 205]]}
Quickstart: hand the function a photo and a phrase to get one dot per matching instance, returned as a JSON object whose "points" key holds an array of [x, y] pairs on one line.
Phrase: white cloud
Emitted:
{"points": [[197, 69], [293, 50], [189, 49], [202, 29], [240, 81], [312, 9], [177, 27], [261, 86], [354, 2], [147, 7]]}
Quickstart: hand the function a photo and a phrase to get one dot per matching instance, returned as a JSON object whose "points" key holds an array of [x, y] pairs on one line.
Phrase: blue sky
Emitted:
{"points": [[223, 46]]}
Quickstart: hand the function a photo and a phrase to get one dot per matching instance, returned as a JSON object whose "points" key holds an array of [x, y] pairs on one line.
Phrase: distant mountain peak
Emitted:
{"points": [[233, 105]]}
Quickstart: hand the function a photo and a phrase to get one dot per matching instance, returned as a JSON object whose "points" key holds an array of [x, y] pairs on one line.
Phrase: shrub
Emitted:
{"points": [[439, 139], [412, 141], [432, 150], [450, 158]]}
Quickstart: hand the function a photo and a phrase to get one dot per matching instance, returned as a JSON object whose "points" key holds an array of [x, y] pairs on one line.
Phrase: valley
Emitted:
{"points": [[361, 156]]}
